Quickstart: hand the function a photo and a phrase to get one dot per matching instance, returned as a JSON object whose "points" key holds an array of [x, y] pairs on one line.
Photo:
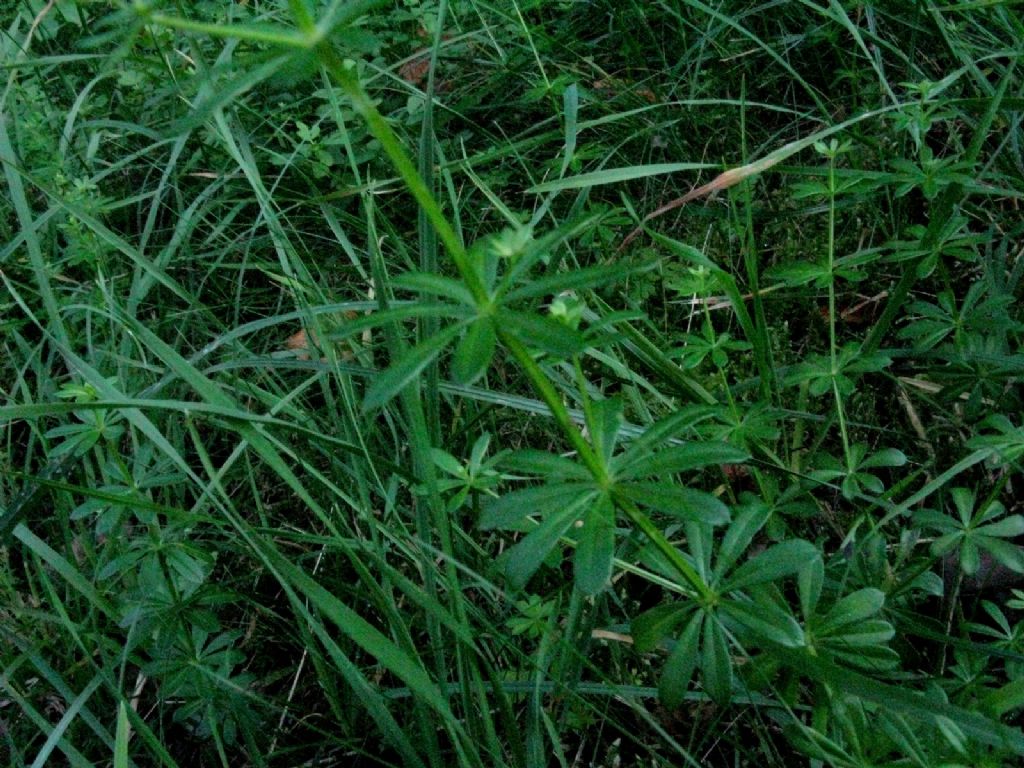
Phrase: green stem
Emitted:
{"points": [[344, 74], [554, 403], [705, 594], [832, 307]]}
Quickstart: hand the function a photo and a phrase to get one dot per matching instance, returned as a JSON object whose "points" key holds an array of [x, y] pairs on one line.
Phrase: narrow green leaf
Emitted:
{"points": [[435, 285], [570, 107], [683, 458], [783, 559], [766, 620], [257, 32], [121, 737], [1007, 528], [952, 733], [809, 583], [403, 372], [890, 457], [595, 548], [605, 418], [654, 434], [715, 662], [1005, 552], [512, 508], [853, 608], [543, 333], [405, 667], [474, 351], [652, 626], [523, 560], [867, 633], [617, 175], [738, 537], [684, 503], [924, 707], [678, 670], [55, 738], [546, 464]]}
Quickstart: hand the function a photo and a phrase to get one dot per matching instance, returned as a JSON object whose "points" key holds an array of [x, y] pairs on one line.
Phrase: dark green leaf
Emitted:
{"points": [[1007, 528], [851, 609], [595, 547], [436, 285], [750, 518], [522, 561], [513, 507], [809, 583], [766, 620], [474, 352], [783, 559], [652, 626], [1005, 553], [403, 372], [890, 457], [678, 671], [545, 464], [655, 434], [682, 458], [671, 499], [866, 633], [716, 664], [543, 333], [605, 420]]}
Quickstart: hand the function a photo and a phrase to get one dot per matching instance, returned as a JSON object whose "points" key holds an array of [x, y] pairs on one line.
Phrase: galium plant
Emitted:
{"points": [[543, 470]]}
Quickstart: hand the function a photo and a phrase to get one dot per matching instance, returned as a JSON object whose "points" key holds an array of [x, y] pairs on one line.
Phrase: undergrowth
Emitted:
{"points": [[433, 383]]}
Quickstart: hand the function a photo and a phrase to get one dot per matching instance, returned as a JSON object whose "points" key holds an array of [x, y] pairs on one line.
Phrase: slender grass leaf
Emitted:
{"points": [[617, 175], [405, 667], [121, 737], [55, 738]]}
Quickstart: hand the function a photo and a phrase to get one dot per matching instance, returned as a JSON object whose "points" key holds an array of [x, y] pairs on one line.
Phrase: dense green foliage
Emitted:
{"points": [[552, 382]]}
